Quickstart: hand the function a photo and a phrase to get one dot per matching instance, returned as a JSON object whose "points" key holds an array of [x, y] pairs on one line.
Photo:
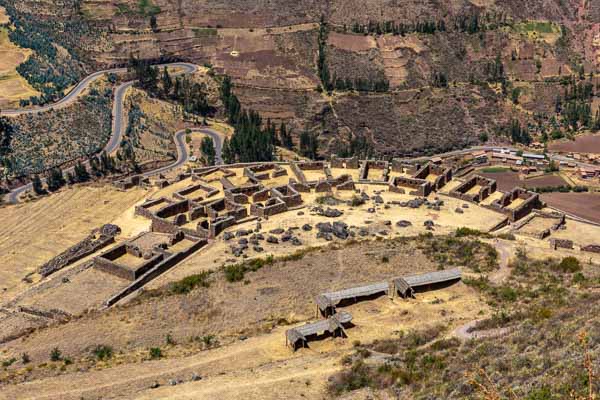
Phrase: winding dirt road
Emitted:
{"points": [[118, 125]]}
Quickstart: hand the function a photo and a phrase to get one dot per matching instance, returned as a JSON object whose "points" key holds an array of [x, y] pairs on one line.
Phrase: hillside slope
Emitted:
{"points": [[434, 75]]}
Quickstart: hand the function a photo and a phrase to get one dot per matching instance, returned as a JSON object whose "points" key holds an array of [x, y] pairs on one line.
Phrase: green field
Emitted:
{"points": [[494, 170], [537, 26]]}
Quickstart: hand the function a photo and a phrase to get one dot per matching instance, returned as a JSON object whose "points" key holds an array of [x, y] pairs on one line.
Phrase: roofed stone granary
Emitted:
{"points": [[475, 189], [327, 302], [436, 175], [407, 286], [374, 171], [334, 326], [416, 187]]}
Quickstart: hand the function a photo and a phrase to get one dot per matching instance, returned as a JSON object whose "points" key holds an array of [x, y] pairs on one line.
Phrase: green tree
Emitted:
{"points": [[285, 137], [81, 173], [207, 146], [167, 82], [55, 179], [37, 185], [309, 145], [6, 134]]}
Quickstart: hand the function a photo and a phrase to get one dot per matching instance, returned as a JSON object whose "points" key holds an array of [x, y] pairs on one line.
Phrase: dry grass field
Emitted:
{"points": [[12, 86], [32, 233], [261, 308], [4, 19]]}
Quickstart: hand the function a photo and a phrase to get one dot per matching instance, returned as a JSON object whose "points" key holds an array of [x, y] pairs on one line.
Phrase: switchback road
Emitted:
{"points": [[118, 125]]}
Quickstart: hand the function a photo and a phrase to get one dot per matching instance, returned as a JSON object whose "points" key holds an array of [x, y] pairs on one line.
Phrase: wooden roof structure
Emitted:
{"points": [[330, 325], [406, 285], [331, 299]]}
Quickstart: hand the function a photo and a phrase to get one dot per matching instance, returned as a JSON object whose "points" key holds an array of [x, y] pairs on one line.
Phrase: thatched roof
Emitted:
{"points": [[431, 278], [406, 284], [319, 327], [330, 299]]}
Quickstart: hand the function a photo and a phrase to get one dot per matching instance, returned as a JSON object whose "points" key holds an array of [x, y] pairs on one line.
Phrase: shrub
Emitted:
{"points": [[55, 354], [569, 265], [507, 293], [208, 340], [25, 358], [507, 236], [169, 339], [543, 393], [191, 282], [155, 353], [8, 363], [103, 352], [579, 278], [235, 272], [464, 231]]}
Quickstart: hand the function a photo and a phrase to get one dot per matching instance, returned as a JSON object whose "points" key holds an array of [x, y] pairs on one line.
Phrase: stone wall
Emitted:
{"points": [[421, 187], [98, 239], [108, 262], [156, 271], [288, 194], [561, 243], [488, 186], [143, 209], [591, 248], [272, 207]]}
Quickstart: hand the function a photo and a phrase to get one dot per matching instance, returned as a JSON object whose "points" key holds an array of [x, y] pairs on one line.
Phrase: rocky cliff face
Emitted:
{"points": [[270, 49]]}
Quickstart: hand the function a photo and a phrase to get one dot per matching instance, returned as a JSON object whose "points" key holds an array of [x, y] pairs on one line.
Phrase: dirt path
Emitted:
{"points": [[464, 331], [505, 253], [123, 380]]}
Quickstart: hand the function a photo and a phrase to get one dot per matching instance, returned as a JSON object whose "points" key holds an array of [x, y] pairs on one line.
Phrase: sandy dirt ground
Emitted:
{"points": [[263, 366]]}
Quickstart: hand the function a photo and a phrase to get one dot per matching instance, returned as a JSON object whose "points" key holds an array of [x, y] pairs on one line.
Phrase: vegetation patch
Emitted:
{"points": [[457, 251], [191, 282], [548, 352], [205, 32]]}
